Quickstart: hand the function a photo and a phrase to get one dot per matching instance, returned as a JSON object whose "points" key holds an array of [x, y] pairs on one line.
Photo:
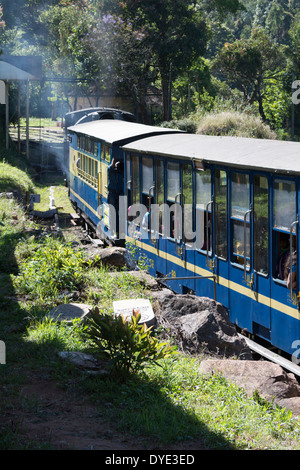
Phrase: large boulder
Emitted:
{"points": [[114, 256], [270, 380], [200, 324]]}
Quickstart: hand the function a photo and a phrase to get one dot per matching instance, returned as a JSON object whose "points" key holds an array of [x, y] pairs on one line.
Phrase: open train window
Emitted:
{"points": [[284, 215], [203, 210], [105, 153], [174, 200], [240, 219], [147, 195], [187, 203], [261, 224], [221, 214], [160, 192], [135, 179]]}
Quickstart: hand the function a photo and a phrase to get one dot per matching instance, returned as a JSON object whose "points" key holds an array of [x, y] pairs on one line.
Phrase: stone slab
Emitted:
{"points": [[69, 312]]}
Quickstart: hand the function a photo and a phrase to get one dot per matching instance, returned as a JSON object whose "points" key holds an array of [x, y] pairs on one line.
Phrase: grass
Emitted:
{"points": [[14, 179], [166, 403]]}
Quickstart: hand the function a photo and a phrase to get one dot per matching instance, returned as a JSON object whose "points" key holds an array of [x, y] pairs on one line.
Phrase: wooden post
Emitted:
{"points": [[19, 117], [27, 119], [7, 115]]}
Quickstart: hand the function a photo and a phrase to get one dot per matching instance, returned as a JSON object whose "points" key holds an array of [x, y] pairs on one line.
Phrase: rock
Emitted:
{"points": [[44, 214], [201, 323], [83, 361], [268, 379], [69, 312], [8, 195], [115, 256], [143, 277]]}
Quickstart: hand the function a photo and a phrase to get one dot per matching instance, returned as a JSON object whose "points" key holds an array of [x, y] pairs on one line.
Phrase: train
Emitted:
{"points": [[214, 216], [95, 113]]}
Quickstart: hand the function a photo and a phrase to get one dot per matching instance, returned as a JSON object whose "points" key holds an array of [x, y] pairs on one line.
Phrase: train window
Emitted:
{"points": [[284, 207], [135, 180], [147, 171], [173, 198], [173, 181], [95, 148], [240, 203], [221, 213], [187, 193], [159, 182], [107, 153], [203, 209], [261, 224], [88, 169], [284, 204], [89, 144], [128, 173], [160, 190]]}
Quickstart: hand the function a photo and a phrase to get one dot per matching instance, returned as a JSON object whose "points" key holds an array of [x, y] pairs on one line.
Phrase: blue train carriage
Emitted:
{"points": [[93, 146], [224, 224]]}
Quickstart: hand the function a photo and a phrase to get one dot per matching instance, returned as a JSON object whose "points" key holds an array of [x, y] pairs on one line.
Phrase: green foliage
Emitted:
{"points": [[248, 64], [14, 179], [55, 336], [127, 344], [50, 267], [277, 103]]}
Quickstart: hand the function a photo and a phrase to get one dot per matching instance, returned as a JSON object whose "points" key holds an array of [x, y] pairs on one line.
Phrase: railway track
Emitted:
{"points": [[38, 134]]}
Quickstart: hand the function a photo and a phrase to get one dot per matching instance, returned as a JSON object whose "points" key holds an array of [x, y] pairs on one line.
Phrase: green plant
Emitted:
{"points": [[127, 344], [53, 266]]}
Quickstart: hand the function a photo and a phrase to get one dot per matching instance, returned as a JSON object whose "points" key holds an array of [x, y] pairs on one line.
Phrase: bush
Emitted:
{"points": [[126, 344], [185, 124], [14, 179], [51, 267], [235, 124]]}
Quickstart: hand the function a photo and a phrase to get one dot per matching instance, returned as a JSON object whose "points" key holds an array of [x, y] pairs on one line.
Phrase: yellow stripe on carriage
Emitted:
{"points": [[234, 286]]}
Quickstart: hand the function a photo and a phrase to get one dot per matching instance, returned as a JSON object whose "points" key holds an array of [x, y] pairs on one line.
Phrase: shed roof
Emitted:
{"points": [[9, 72], [261, 154]]}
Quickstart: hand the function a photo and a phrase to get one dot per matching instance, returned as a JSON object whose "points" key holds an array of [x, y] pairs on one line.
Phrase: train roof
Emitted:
{"points": [[117, 132], [261, 154]]}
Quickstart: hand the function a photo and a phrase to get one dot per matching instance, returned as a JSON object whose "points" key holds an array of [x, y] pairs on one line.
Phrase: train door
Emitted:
{"points": [[204, 261], [249, 270], [103, 208], [159, 225], [172, 224], [178, 223], [220, 236], [132, 186], [188, 227], [285, 300], [148, 228]]}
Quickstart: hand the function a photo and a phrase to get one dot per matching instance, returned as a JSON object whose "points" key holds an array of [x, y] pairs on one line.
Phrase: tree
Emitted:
{"points": [[175, 32], [124, 58], [249, 64]]}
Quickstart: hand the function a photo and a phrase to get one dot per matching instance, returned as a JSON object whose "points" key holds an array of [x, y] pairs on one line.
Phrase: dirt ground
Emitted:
{"points": [[56, 421]]}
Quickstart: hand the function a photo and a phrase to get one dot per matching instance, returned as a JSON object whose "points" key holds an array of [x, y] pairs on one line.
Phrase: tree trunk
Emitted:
{"points": [[166, 98], [260, 107]]}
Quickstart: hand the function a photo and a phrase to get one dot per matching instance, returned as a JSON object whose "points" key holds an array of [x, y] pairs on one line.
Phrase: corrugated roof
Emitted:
{"points": [[262, 154], [117, 132]]}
